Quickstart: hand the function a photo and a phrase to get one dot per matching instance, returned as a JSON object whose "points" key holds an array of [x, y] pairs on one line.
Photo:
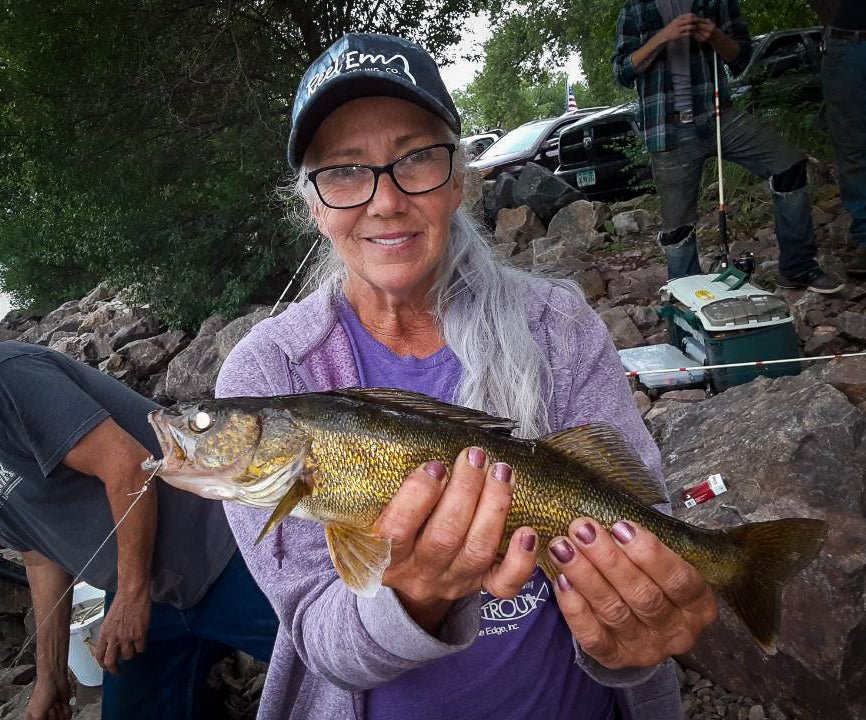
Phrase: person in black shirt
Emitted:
{"points": [[844, 79]]}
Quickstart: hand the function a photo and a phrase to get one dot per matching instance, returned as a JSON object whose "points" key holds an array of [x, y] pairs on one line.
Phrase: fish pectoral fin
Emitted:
{"points": [[296, 493], [359, 556], [601, 450]]}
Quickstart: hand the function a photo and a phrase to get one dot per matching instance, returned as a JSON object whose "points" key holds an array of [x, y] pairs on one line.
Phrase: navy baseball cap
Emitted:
{"points": [[363, 65]]}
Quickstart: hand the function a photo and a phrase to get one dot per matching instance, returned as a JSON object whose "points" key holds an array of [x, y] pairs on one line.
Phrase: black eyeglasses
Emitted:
{"points": [[421, 171]]}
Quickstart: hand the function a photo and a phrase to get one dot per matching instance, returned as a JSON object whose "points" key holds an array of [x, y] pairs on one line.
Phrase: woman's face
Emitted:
{"points": [[394, 243]]}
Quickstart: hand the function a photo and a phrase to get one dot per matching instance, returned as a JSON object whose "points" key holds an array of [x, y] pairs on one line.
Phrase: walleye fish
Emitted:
{"points": [[339, 457]]}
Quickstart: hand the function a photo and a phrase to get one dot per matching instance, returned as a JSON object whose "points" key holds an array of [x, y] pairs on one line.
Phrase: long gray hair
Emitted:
{"points": [[480, 304]]}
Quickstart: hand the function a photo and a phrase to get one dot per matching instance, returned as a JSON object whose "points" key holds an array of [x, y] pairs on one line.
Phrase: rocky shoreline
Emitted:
{"points": [[791, 446]]}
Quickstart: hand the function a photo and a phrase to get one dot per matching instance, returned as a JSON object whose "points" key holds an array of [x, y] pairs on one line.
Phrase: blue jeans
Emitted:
{"points": [[758, 148], [844, 78], [167, 681]]}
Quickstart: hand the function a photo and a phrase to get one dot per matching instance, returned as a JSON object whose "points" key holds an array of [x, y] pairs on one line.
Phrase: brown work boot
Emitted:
{"points": [[857, 264]]}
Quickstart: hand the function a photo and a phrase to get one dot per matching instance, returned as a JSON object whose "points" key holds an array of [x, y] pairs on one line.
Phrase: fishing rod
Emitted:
{"points": [[138, 495], [723, 215], [292, 279], [752, 363]]}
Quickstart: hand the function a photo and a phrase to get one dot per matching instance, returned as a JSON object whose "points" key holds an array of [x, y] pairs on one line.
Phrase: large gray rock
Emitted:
{"points": [[576, 224], [143, 326], [631, 222], [852, 325], [636, 287], [498, 194], [192, 373], [543, 191], [151, 356], [790, 447], [473, 193], [100, 293], [848, 375], [518, 225]]}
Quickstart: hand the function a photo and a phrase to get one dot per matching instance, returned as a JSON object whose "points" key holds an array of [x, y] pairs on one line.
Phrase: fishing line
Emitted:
{"points": [[138, 494], [753, 363], [292, 279]]}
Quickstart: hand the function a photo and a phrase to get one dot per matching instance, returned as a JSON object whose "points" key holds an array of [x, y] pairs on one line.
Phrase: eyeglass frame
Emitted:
{"points": [[379, 170]]}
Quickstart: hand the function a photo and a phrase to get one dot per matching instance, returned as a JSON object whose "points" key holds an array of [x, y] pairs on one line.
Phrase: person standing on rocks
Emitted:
{"points": [[668, 51], [178, 594], [843, 74]]}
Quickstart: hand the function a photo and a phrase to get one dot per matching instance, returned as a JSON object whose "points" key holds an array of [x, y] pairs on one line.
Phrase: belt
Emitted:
{"points": [[687, 117], [852, 35]]}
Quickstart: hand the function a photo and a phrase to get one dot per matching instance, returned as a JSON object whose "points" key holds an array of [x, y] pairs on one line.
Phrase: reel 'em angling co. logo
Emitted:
{"points": [[356, 61]]}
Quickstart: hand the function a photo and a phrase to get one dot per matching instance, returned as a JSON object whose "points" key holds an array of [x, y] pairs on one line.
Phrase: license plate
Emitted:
{"points": [[585, 178]]}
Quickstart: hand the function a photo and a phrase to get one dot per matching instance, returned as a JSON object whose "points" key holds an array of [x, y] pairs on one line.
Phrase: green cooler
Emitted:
{"points": [[722, 319]]}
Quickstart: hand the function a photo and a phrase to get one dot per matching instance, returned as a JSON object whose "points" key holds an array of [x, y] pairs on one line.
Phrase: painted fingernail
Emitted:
{"points": [[435, 469], [562, 551], [527, 542], [623, 532], [477, 457], [502, 472], [563, 583], [585, 533]]}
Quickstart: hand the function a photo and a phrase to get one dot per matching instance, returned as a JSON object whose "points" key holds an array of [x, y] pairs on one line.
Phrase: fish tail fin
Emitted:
{"points": [[774, 552]]}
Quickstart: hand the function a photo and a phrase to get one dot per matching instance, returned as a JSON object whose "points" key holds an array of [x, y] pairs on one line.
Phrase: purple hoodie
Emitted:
{"points": [[332, 645]]}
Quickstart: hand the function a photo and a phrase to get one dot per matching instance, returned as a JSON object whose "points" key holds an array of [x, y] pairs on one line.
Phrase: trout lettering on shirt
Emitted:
{"points": [[499, 614]]}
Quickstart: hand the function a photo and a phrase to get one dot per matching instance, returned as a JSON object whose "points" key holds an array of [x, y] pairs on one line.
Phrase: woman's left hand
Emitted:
{"points": [[629, 600]]}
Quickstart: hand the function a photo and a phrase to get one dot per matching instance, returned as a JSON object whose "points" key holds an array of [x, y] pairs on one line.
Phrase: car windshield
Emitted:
{"points": [[516, 141]]}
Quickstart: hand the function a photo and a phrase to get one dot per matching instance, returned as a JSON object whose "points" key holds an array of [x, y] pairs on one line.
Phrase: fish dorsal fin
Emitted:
{"points": [[602, 450], [426, 405], [360, 557]]}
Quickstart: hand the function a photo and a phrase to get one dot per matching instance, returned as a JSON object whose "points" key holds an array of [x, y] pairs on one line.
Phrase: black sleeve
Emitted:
{"points": [[44, 411]]}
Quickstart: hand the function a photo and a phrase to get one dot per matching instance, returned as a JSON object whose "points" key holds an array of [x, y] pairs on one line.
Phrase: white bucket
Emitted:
{"points": [[88, 609]]}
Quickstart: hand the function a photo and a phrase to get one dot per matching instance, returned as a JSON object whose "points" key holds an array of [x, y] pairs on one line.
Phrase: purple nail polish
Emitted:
{"points": [[435, 469], [477, 457], [563, 583], [585, 533], [562, 551], [623, 532], [502, 472], [527, 542]]}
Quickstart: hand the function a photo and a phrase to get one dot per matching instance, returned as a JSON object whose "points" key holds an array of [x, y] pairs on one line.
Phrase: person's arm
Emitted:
{"points": [[111, 454], [729, 38], [52, 692]]}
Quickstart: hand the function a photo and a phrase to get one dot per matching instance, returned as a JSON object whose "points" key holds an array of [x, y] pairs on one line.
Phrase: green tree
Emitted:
{"points": [[143, 141]]}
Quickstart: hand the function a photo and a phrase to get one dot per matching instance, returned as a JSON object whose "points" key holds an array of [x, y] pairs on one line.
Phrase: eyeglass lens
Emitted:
{"points": [[351, 185]]}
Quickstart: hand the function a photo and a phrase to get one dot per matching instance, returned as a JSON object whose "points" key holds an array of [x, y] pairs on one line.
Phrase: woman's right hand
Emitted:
{"points": [[446, 534]]}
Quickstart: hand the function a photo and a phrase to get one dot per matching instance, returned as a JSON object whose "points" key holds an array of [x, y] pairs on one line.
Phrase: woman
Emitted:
{"points": [[409, 296]]}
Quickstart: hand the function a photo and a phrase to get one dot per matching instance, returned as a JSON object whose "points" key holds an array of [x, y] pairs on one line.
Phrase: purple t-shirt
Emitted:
{"points": [[489, 679]]}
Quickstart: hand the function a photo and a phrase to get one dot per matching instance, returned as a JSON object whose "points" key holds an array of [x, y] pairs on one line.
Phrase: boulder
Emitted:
{"points": [[848, 375], [151, 356], [498, 194], [543, 191], [143, 325], [192, 373], [622, 329], [100, 293], [631, 222], [576, 224], [852, 325], [591, 282], [546, 250], [518, 225], [473, 193], [786, 447], [636, 287]]}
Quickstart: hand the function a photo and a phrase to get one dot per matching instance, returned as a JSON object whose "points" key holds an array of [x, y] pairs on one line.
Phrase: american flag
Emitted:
{"points": [[570, 102]]}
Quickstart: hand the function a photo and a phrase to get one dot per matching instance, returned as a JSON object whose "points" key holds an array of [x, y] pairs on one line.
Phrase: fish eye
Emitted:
{"points": [[200, 422]]}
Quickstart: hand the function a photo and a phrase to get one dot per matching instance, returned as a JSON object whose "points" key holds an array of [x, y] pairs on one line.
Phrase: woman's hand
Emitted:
{"points": [[446, 534], [629, 600]]}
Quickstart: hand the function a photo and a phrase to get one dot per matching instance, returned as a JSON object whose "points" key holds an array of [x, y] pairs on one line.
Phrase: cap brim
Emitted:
{"points": [[344, 88]]}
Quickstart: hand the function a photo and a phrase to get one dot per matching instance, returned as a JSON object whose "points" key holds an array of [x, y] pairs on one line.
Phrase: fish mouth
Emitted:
{"points": [[173, 453]]}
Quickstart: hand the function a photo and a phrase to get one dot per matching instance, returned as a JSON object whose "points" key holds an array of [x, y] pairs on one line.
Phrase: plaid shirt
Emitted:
{"points": [[638, 21]]}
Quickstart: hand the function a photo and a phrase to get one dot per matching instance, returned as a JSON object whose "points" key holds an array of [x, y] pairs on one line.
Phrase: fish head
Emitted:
{"points": [[207, 448]]}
